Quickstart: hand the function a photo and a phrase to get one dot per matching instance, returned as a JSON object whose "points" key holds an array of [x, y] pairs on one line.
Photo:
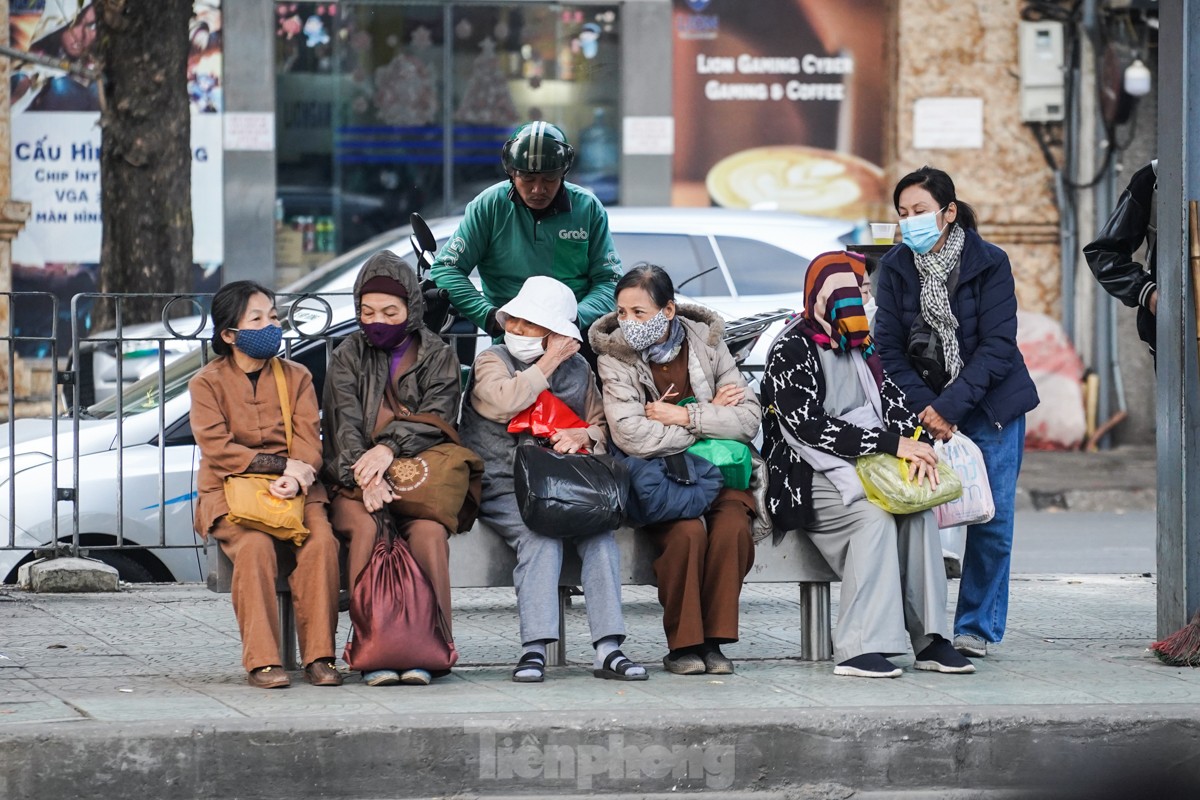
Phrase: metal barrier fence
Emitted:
{"points": [[26, 355]]}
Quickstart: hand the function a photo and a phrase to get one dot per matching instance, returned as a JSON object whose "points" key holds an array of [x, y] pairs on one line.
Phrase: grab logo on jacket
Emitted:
{"points": [[577, 235]]}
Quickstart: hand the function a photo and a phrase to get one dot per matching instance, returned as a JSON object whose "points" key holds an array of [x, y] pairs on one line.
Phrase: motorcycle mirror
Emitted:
{"points": [[421, 234]]}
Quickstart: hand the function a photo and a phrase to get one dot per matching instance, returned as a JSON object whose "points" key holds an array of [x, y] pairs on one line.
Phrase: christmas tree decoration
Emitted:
{"points": [[405, 87], [486, 99]]}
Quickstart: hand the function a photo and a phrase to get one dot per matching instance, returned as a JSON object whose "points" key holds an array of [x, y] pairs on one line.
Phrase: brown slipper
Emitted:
{"points": [[322, 672], [272, 677]]}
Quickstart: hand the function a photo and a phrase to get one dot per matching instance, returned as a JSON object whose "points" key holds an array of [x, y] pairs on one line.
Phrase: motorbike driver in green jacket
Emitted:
{"points": [[534, 223]]}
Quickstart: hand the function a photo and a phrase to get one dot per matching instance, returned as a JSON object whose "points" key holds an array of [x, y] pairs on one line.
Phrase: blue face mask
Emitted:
{"points": [[259, 342], [921, 232]]}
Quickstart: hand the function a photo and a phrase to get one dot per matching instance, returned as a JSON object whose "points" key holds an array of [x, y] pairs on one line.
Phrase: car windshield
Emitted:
{"points": [[145, 395]]}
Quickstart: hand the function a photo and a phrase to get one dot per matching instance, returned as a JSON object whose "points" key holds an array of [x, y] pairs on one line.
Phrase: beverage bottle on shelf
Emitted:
{"points": [[308, 232]]}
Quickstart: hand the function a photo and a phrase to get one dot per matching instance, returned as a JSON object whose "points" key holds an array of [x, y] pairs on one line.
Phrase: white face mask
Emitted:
{"points": [[869, 310], [525, 348]]}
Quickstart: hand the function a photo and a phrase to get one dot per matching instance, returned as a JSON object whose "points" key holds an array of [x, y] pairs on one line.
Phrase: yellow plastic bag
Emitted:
{"points": [[885, 479]]}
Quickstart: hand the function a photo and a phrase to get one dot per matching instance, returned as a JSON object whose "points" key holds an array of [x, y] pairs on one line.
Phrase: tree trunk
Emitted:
{"points": [[145, 158]]}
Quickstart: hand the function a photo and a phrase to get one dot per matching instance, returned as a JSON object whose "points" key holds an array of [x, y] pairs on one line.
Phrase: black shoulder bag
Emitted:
{"points": [[924, 347]]}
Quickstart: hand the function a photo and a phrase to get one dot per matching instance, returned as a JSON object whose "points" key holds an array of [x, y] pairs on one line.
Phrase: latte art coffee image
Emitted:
{"points": [[806, 180]]}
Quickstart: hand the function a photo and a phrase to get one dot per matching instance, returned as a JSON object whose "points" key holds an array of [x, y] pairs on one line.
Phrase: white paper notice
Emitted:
{"points": [[946, 123], [649, 136], [249, 131]]}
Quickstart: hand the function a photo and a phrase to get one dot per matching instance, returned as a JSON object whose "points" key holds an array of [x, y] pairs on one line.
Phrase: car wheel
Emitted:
{"points": [[127, 569]]}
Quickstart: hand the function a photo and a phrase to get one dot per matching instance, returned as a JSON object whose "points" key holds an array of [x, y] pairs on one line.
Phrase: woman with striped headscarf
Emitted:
{"points": [[827, 401]]}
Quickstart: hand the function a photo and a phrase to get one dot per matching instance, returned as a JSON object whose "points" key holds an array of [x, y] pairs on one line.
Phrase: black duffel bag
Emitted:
{"points": [[565, 495]]}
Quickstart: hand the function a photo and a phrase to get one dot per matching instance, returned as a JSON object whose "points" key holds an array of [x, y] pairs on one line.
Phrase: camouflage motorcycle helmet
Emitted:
{"points": [[537, 147]]}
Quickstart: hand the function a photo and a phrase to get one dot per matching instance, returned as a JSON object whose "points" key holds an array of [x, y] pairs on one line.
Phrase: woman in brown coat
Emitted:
{"points": [[237, 419]]}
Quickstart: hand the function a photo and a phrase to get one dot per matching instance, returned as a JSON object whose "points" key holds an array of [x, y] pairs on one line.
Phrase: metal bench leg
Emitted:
{"points": [[816, 640], [287, 631], [559, 658]]}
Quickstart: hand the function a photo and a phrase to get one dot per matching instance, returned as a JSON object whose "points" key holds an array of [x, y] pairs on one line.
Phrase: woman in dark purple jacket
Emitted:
{"points": [[946, 285]]}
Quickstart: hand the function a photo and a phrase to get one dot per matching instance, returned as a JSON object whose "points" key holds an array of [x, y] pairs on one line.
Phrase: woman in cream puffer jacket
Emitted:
{"points": [[677, 352]]}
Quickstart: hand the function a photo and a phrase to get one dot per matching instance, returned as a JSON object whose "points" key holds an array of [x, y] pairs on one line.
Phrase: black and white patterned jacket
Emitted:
{"points": [[793, 396]]}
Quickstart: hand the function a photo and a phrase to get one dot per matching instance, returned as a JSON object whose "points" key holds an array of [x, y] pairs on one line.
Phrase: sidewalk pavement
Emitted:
{"points": [[141, 693], [109, 694], [1121, 479]]}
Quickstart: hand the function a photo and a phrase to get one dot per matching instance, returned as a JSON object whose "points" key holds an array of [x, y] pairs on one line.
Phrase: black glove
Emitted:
{"points": [[492, 326]]}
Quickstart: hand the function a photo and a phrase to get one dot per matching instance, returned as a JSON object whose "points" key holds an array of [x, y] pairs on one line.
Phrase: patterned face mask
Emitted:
{"points": [[641, 335]]}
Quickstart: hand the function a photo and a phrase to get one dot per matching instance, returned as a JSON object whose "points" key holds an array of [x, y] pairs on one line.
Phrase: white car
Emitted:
{"points": [[737, 262]]}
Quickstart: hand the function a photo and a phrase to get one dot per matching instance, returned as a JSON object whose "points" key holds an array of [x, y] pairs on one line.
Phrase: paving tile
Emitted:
{"points": [[137, 698], [38, 710]]}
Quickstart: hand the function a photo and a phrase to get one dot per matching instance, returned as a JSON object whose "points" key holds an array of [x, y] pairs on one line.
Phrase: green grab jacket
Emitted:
{"points": [[501, 237]]}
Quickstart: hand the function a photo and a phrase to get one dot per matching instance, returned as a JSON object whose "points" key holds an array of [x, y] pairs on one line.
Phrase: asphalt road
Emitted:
{"points": [[1076, 541]]}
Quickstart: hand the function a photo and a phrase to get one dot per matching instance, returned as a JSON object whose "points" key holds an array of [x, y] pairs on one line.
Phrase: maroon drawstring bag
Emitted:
{"points": [[394, 613]]}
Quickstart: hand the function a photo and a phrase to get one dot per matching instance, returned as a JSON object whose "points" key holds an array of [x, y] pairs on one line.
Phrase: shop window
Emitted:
{"points": [[376, 120]]}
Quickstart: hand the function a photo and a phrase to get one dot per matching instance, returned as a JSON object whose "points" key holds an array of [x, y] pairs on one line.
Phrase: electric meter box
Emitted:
{"points": [[1043, 80]]}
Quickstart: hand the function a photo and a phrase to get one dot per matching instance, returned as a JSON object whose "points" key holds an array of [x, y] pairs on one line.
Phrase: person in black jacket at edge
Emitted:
{"points": [[1110, 255]]}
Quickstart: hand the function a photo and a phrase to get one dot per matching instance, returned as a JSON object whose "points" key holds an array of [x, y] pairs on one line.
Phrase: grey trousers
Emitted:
{"points": [[893, 576], [539, 564]]}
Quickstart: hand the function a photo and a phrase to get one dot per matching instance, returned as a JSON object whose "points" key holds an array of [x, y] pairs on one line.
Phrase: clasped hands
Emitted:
{"points": [[369, 471], [671, 414], [296, 478]]}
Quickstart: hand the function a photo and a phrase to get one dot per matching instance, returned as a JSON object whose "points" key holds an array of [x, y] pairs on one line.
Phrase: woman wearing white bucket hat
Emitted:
{"points": [[541, 352]]}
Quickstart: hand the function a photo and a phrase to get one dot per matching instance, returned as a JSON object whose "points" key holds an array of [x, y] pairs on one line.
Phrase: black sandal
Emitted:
{"points": [[621, 671], [530, 662]]}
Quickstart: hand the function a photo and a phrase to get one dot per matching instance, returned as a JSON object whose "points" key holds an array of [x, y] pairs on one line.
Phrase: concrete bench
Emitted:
{"points": [[481, 559]]}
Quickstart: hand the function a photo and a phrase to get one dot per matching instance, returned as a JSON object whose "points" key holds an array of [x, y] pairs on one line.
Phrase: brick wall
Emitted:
{"points": [[968, 48]]}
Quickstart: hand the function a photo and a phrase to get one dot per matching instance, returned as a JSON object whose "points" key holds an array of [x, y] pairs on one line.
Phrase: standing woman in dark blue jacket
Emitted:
{"points": [[945, 278]]}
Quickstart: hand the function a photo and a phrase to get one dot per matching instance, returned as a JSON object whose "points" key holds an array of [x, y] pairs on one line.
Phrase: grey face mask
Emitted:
{"points": [[641, 335]]}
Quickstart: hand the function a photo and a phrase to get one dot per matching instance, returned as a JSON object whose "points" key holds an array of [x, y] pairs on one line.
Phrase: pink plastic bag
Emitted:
{"points": [[975, 506]]}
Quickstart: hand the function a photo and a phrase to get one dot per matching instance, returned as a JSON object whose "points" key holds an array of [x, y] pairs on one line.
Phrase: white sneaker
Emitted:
{"points": [[415, 677], [971, 646], [381, 677]]}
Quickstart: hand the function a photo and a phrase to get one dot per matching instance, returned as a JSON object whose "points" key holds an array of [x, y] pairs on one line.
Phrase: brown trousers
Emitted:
{"points": [[428, 541], [314, 582], [701, 569]]}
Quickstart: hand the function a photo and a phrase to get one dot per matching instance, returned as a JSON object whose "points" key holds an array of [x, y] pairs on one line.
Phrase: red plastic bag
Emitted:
{"points": [[545, 417]]}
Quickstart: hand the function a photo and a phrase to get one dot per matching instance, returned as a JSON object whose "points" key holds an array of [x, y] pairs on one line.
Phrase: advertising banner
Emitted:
{"points": [[780, 104], [56, 151]]}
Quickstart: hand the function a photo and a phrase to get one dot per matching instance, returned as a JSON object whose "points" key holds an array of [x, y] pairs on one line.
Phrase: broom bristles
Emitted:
{"points": [[1181, 648]]}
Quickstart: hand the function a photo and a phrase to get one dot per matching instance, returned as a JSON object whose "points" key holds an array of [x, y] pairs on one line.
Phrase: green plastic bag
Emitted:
{"points": [[732, 458], [885, 478]]}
